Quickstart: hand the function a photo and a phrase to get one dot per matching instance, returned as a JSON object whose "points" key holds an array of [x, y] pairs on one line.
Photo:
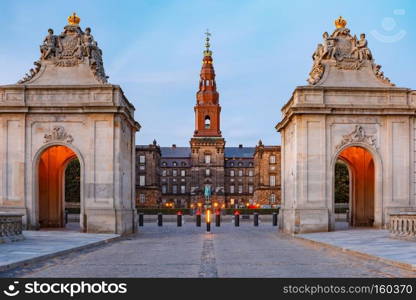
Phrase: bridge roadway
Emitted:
{"points": [[228, 251]]}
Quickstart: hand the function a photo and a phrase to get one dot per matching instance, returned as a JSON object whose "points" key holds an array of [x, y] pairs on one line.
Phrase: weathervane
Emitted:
{"points": [[207, 44]]}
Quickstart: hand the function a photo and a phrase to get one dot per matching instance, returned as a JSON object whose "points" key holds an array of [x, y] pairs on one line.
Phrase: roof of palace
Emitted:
{"points": [[175, 152], [241, 152], [185, 152]]}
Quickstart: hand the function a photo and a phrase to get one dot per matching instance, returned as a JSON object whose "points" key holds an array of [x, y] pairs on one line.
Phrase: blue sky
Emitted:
{"points": [[262, 51]]}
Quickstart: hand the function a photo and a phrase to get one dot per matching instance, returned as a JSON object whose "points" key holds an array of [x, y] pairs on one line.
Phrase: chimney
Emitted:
{"points": [[240, 146]]}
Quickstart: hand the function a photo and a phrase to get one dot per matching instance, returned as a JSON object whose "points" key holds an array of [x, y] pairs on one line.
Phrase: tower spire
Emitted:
{"points": [[207, 109]]}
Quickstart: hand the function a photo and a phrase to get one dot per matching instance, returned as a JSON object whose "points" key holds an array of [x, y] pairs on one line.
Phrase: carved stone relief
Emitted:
{"points": [[58, 134], [357, 136], [72, 47], [345, 52]]}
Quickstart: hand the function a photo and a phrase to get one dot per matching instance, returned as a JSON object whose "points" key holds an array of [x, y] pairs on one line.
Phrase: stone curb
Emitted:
{"points": [[405, 266], [30, 261]]}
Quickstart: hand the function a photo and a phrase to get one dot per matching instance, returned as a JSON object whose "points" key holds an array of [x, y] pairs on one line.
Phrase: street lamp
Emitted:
{"points": [[208, 220]]}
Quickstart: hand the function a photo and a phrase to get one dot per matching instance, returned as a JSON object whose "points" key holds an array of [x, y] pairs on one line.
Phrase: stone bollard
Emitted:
{"points": [[141, 219], [159, 219], [275, 219], [179, 219], [256, 219], [198, 218], [237, 218], [217, 219]]}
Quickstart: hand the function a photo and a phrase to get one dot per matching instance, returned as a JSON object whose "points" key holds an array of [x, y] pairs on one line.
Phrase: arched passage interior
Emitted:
{"points": [[362, 184], [51, 179]]}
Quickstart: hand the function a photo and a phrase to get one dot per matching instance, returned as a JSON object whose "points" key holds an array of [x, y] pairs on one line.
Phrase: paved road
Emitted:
{"points": [[227, 252]]}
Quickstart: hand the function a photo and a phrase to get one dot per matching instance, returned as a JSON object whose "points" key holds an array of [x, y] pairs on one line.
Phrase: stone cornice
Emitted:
{"points": [[295, 107]]}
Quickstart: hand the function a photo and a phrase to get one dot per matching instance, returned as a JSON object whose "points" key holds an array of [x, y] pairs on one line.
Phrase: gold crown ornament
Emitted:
{"points": [[340, 22], [73, 19]]}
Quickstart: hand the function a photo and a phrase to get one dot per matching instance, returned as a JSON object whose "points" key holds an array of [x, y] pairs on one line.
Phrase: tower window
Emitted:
{"points": [[207, 122], [272, 180], [207, 158], [272, 198]]}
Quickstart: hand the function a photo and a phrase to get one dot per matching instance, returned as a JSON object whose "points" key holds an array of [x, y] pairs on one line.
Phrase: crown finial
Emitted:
{"points": [[340, 22], [73, 19], [207, 51]]}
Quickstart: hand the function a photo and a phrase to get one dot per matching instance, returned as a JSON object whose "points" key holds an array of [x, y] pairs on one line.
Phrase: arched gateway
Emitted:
{"points": [[65, 109], [351, 112]]}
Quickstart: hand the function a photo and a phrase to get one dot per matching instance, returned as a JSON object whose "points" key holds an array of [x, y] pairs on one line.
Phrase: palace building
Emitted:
{"points": [[237, 176]]}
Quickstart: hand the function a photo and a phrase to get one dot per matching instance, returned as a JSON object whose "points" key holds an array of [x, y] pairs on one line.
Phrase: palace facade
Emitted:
{"points": [[237, 176]]}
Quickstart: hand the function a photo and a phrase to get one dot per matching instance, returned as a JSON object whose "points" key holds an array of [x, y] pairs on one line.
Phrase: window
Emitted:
{"points": [[272, 198], [174, 189], [163, 172], [183, 173], [232, 173], [142, 159], [250, 173], [142, 180], [272, 180], [240, 173], [183, 189], [272, 159], [240, 189], [250, 189], [207, 159], [272, 168], [183, 164], [250, 164], [164, 189], [174, 164], [207, 122], [175, 173], [207, 172], [142, 198], [164, 164], [141, 167], [240, 164], [231, 189], [232, 164]]}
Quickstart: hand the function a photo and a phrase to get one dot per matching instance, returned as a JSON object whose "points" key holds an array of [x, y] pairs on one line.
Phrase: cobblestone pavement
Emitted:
{"points": [[228, 251]]}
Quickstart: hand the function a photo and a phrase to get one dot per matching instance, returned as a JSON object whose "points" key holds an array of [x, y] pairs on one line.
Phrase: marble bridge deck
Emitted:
{"points": [[40, 245], [370, 243]]}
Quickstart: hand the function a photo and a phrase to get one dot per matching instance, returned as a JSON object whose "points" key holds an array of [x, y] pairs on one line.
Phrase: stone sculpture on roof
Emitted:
{"points": [[73, 47], [341, 52]]}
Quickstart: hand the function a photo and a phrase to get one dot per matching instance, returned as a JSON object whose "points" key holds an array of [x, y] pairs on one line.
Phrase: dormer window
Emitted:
{"points": [[207, 122]]}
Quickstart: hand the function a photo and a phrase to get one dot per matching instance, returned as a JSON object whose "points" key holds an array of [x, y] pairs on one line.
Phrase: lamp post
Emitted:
{"points": [[208, 220]]}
